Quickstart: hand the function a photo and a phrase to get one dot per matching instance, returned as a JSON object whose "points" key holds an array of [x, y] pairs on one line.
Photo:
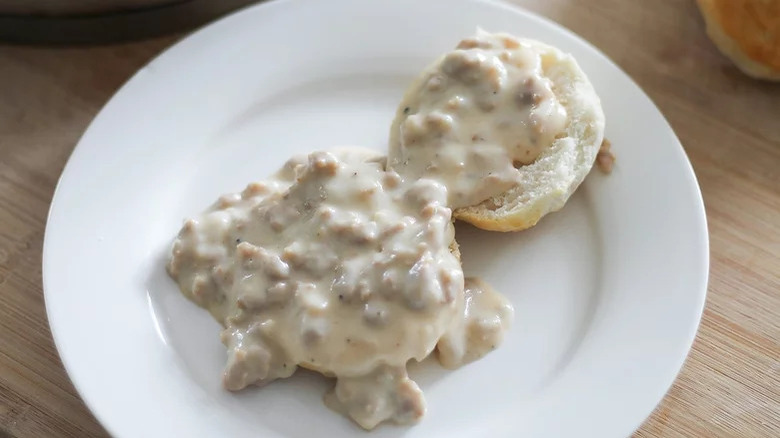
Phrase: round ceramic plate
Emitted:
{"points": [[608, 291]]}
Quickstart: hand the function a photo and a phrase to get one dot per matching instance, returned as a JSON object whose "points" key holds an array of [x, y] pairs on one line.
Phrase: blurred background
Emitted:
{"points": [[70, 7], [101, 21], [61, 60]]}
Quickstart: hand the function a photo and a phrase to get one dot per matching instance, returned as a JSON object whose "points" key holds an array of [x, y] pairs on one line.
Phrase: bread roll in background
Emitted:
{"points": [[748, 32]]}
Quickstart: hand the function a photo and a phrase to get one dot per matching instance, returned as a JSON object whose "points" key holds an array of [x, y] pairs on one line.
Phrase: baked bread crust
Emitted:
{"points": [[547, 183], [747, 32]]}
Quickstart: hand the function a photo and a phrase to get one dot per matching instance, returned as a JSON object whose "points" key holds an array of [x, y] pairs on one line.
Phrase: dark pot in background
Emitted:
{"points": [[96, 21]]}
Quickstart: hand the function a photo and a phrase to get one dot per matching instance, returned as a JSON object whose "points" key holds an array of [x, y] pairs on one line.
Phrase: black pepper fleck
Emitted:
{"points": [[341, 297], [406, 110]]}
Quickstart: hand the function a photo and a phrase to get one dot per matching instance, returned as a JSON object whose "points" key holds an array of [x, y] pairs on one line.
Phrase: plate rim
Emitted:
{"points": [[698, 206]]}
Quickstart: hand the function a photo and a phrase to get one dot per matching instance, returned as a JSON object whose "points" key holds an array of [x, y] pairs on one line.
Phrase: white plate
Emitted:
{"points": [[608, 291]]}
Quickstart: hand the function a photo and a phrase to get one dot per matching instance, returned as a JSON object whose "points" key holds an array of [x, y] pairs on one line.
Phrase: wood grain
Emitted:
{"points": [[729, 125]]}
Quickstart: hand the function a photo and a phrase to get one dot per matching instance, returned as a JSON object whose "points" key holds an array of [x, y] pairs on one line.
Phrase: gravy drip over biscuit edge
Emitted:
{"points": [[476, 117], [335, 265]]}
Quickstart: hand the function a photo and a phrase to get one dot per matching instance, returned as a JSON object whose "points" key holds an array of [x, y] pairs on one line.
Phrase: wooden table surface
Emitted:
{"points": [[729, 125]]}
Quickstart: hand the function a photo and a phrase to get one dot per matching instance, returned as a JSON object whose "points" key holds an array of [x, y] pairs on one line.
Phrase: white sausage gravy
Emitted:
{"points": [[347, 271], [346, 264], [475, 116]]}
